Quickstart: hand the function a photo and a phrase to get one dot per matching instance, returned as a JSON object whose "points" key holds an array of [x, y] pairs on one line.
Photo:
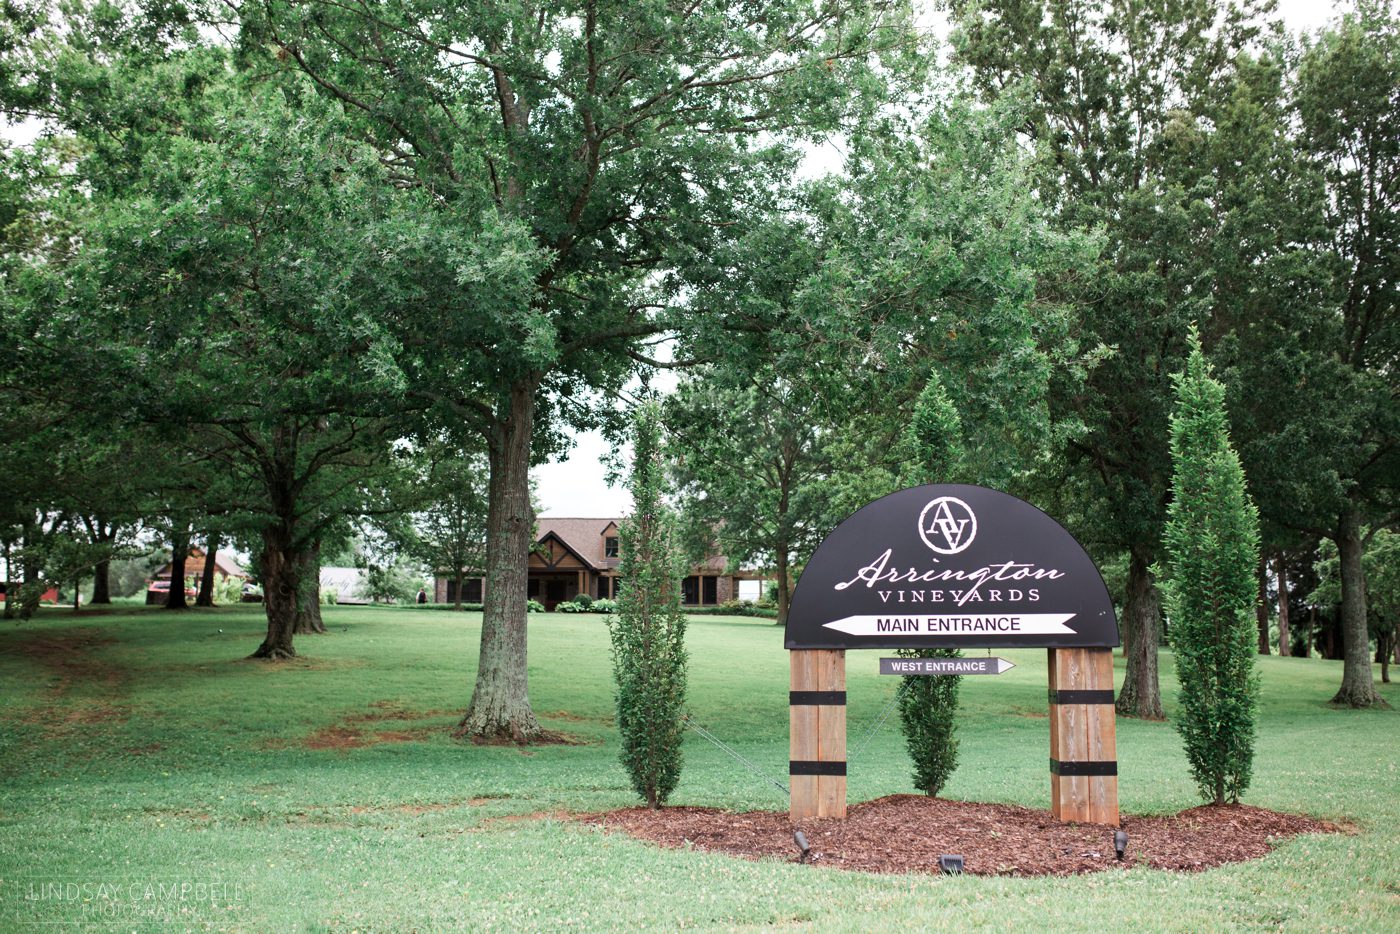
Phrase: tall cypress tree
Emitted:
{"points": [[648, 630], [1212, 546], [928, 705]]}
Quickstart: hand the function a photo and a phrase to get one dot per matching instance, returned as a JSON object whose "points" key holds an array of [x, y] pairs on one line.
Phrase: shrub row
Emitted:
{"points": [[534, 606], [733, 608]]}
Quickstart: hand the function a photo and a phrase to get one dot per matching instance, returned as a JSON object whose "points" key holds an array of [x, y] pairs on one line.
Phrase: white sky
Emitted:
{"points": [[576, 486]]}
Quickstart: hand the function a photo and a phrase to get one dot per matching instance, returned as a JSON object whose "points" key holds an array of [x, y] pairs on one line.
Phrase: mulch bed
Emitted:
{"points": [[907, 833]]}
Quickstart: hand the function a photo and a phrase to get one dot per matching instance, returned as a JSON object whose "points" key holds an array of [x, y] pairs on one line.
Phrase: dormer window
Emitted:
{"points": [[610, 547]]}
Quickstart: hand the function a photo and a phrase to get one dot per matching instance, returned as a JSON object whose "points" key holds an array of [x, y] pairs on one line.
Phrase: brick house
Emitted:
{"points": [[574, 556]]}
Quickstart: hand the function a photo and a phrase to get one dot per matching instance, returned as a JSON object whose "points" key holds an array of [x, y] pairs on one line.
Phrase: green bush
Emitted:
{"points": [[928, 707], [758, 610], [604, 606], [534, 606], [227, 590], [567, 608], [583, 601], [1212, 550], [928, 710], [648, 630]]}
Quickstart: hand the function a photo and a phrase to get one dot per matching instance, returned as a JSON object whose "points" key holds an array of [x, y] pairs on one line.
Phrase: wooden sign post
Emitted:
{"points": [[817, 741], [1083, 737], [954, 566]]}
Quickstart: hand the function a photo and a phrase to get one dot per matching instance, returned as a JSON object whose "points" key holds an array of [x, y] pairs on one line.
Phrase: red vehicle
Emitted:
{"points": [[158, 590]]}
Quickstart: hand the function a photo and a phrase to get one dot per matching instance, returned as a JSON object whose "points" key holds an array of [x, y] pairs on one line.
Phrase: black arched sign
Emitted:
{"points": [[947, 566]]}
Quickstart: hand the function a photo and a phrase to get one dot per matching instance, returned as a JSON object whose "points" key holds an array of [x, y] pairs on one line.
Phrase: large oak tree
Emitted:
{"points": [[572, 154]]}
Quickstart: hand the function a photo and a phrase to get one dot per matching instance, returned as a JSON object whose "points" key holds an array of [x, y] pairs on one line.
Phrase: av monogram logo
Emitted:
{"points": [[947, 525]]}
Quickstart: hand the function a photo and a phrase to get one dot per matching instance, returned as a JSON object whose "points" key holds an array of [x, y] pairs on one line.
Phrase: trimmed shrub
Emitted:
{"points": [[928, 706], [648, 630], [928, 713], [583, 601], [764, 612], [1212, 549]]}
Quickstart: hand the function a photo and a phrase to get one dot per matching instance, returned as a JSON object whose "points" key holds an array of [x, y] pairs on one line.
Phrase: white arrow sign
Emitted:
{"points": [[972, 625], [993, 665]]}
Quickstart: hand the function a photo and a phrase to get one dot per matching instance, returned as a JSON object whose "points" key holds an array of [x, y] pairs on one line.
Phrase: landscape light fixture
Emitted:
{"points": [[951, 865], [800, 839], [1120, 843]]}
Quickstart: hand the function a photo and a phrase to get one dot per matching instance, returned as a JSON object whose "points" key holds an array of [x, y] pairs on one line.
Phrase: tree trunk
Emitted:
{"points": [[500, 704], [1358, 684], [77, 594], [1284, 650], [10, 591], [308, 616], [205, 597], [1141, 694], [31, 593], [1261, 605], [784, 596], [461, 579], [179, 551], [103, 535], [1385, 641], [1312, 628], [102, 582], [281, 571]]}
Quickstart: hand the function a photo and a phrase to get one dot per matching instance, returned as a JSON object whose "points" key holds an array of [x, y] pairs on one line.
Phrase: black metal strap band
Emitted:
{"points": [[1077, 696], [1073, 769], [817, 698], [807, 767]]}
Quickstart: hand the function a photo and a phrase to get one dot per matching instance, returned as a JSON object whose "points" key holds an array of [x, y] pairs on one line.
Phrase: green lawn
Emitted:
{"points": [[140, 750]]}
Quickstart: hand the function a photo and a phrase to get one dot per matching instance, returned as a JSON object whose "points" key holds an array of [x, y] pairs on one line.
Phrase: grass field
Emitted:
{"points": [[325, 794]]}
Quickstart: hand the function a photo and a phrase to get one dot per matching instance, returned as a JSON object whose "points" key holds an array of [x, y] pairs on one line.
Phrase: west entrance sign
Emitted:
{"points": [[950, 566], [953, 566]]}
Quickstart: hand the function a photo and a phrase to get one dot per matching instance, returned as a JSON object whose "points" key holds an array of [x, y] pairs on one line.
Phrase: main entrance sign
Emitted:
{"points": [[949, 566], [953, 566]]}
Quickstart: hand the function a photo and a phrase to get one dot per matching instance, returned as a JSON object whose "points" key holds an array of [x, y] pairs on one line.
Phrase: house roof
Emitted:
{"points": [[583, 536]]}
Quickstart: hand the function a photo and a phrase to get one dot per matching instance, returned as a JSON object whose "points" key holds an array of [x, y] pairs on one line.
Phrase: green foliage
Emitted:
{"points": [[604, 606], [928, 710], [533, 606], [1382, 565], [928, 705], [227, 590], [932, 448], [584, 600], [1212, 550], [752, 468], [1157, 127], [726, 609], [390, 582], [648, 630], [444, 496], [568, 608]]}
